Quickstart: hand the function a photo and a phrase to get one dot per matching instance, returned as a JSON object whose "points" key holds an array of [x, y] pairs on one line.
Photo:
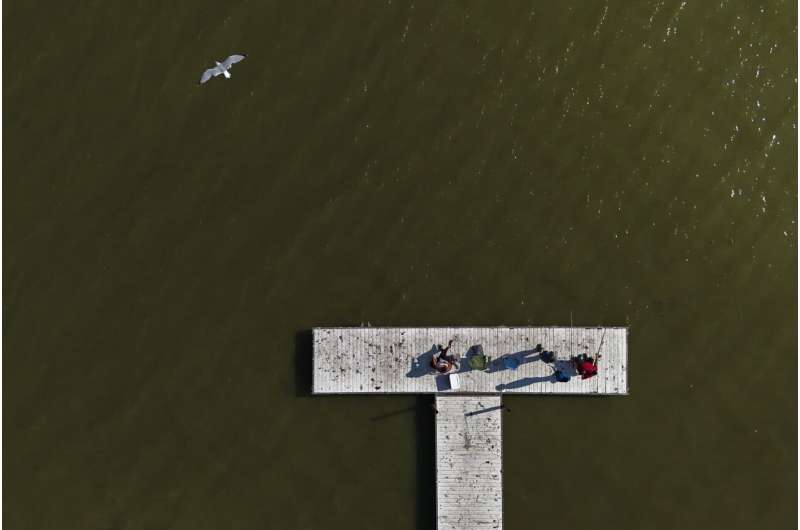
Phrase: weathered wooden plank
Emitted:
{"points": [[396, 360], [469, 462]]}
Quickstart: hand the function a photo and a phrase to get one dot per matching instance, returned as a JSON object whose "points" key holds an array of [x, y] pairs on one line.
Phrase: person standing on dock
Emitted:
{"points": [[586, 366]]}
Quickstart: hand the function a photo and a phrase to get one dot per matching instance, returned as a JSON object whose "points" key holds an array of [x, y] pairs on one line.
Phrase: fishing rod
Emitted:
{"points": [[599, 347]]}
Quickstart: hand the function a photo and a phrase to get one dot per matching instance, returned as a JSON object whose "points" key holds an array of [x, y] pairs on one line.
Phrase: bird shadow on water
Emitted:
{"points": [[392, 414], [303, 362]]}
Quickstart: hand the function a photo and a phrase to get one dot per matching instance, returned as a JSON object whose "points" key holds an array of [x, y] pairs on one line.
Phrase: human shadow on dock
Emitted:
{"points": [[523, 357], [303, 362], [421, 365], [560, 364], [525, 381]]}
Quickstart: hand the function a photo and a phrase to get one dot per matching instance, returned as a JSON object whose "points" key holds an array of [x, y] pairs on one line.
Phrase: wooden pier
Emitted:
{"points": [[397, 360], [469, 447], [469, 462]]}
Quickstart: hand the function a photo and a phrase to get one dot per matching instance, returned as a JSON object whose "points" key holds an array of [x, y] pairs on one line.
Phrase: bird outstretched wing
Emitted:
{"points": [[233, 59], [211, 72]]}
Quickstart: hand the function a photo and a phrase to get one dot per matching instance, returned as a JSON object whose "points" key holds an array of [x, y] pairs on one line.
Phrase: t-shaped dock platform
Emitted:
{"points": [[469, 453]]}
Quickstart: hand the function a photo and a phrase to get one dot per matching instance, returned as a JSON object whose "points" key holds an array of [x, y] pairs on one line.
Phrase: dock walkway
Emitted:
{"points": [[397, 360], [469, 462], [469, 426]]}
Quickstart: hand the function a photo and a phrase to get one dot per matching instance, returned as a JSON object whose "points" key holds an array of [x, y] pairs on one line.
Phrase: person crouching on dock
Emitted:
{"points": [[444, 363], [585, 366]]}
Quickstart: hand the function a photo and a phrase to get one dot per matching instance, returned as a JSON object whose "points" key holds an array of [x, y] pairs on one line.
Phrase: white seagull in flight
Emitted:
{"points": [[221, 68]]}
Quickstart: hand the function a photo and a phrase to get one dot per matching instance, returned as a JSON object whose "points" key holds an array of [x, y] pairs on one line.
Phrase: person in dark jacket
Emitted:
{"points": [[443, 362]]}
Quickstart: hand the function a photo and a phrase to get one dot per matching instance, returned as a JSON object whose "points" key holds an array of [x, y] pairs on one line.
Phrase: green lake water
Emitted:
{"points": [[168, 247]]}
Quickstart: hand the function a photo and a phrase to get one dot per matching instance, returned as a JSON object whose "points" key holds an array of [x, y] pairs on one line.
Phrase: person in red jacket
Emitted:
{"points": [[585, 366]]}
